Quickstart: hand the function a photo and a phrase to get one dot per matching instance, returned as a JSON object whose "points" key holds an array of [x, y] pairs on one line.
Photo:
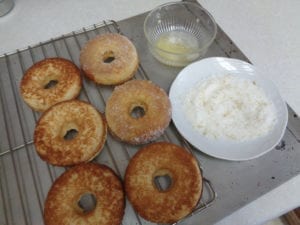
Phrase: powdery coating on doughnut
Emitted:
{"points": [[57, 121], [120, 69], [61, 206], [33, 83], [138, 93], [159, 159]]}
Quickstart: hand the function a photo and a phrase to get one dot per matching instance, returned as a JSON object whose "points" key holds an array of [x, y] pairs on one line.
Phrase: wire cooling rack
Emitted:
{"points": [[24, 178]]}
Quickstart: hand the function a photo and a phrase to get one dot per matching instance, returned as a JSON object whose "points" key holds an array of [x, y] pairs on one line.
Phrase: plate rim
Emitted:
{"points": [[257, 71]]}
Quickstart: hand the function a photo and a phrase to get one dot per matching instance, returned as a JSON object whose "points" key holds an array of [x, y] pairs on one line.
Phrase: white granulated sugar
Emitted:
{"points": [[229, 107]]}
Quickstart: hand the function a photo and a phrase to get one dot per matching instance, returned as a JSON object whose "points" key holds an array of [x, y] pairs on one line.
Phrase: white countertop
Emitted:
{"points": [[266, 31]]}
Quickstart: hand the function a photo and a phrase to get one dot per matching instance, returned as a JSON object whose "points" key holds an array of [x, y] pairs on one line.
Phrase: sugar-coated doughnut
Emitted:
{"points": [[50, 81], [51, 133], [179, 199], [62, 205], [109, 59], [155, 114]]}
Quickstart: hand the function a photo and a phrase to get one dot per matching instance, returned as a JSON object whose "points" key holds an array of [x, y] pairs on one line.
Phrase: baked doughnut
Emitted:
{"points": [[109, 59], [62, 205], [51, 135], [134, 96], [179, 199], [50, 81]]}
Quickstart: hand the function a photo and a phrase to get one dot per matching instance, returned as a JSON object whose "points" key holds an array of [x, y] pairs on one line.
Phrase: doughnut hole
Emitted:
{"points": [[162, 180], [108, 57], [87, 203], [51, 84], [50, 80], [138, 110], [69, 132]]}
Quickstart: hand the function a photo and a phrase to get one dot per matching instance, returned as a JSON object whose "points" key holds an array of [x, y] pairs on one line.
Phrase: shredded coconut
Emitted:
{"points": [[229, 107]]}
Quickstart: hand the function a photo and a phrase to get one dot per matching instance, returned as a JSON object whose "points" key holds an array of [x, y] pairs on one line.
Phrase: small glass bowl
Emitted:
{"points": [[179, 33]]}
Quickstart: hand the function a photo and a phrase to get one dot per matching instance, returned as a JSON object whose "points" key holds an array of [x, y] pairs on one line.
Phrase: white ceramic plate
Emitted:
{"points": [[225, 149]]}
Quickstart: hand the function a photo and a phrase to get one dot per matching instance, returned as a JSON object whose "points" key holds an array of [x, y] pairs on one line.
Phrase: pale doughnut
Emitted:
{"points": [[109, 59]]}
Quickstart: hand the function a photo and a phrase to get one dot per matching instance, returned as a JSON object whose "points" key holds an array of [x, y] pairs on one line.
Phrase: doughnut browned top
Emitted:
{"points": [[109, 59], [138, 94], [159, 159], [61, 206], [34, 89], [50, 131]]}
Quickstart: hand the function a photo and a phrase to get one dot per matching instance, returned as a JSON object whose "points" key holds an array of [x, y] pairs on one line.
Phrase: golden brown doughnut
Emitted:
{"points": [[35, 88], [62, 202], [128, 97], [159, 159], [109, 59], [51, 130]]}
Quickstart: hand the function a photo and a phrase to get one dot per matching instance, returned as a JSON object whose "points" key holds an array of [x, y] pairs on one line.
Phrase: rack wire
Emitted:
{"points": [[24, 178]]}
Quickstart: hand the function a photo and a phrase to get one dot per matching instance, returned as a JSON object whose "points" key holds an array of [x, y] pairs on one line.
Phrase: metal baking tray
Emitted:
{"points": [[25, 179]]}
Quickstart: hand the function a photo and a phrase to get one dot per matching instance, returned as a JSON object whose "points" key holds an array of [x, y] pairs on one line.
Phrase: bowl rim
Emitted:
{"points": [[194, 4]]}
